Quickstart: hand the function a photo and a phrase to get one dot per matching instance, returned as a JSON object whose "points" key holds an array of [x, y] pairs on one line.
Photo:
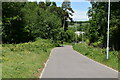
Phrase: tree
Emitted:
{"points": [[98, 24], [13, 25], [66, 15], [32, 20], [39, 21]]}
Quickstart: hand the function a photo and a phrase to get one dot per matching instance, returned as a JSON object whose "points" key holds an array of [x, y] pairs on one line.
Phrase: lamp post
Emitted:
{"points": [[107, 49]]}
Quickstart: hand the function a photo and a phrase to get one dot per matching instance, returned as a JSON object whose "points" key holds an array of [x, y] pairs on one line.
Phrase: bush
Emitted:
{"points": [[70, 35]]}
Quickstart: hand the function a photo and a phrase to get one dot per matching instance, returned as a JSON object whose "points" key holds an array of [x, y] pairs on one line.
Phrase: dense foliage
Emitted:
{"points": [[98, 24], [13, 25], [25, 21]]}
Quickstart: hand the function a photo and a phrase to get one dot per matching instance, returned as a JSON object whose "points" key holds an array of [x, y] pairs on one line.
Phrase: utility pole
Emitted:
{"points": [[107, 49]]}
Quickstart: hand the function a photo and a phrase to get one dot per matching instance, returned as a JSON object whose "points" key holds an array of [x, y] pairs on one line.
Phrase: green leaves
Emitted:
{"points": [[24, 22], [98, 24], [13, 24]]}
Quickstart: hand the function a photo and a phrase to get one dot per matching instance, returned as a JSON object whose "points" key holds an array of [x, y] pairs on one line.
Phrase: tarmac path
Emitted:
{"points": [[64, 62]]}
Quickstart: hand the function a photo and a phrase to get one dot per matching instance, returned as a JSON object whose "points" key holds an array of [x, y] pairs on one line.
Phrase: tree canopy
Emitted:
{"points": [[98, 24], [25, 21]]}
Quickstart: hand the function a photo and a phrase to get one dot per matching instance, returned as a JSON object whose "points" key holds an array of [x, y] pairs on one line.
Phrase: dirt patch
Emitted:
{"points": [[39, 73]]}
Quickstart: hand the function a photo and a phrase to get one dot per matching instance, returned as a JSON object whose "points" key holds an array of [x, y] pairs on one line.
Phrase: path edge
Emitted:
{"points": [[45, 64], [96, 61]]}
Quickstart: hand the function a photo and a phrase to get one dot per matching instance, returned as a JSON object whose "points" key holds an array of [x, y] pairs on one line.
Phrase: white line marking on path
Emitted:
{"points": [[45, 65], [79, 54], [96, 61]]}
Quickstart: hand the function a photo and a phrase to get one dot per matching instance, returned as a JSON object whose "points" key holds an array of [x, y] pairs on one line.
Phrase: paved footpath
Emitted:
{"points": [[64, 62]]}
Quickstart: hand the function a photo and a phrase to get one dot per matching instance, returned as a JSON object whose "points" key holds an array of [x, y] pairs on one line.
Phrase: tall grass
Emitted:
{"points": [[98, 54], [25, 60]]}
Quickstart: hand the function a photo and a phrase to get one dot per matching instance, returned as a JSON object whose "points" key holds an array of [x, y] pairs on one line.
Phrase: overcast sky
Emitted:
{"points": [[79, 6]]}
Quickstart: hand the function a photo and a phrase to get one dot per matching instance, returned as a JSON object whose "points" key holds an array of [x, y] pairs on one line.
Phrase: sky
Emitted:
{"points": [[80, 8]]}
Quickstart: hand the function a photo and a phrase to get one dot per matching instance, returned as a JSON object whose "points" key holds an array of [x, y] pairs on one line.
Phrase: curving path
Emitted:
{"points": [[64, 62]]}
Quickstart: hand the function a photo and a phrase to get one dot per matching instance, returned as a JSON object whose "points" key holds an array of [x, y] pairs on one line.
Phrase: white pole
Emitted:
{"points": [[107, 55]]}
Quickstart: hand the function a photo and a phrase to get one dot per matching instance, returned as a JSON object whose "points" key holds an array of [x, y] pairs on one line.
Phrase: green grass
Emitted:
{"points": [[98, 54], [66, 43], [24, 60]]}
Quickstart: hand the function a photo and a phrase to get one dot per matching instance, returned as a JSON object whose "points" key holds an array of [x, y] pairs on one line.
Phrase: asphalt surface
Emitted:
{"points": [[64, 62]]}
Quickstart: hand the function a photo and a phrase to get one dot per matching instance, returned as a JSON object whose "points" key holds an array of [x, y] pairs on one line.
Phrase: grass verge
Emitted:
{"points": [[25, 60], [98, 54]]}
